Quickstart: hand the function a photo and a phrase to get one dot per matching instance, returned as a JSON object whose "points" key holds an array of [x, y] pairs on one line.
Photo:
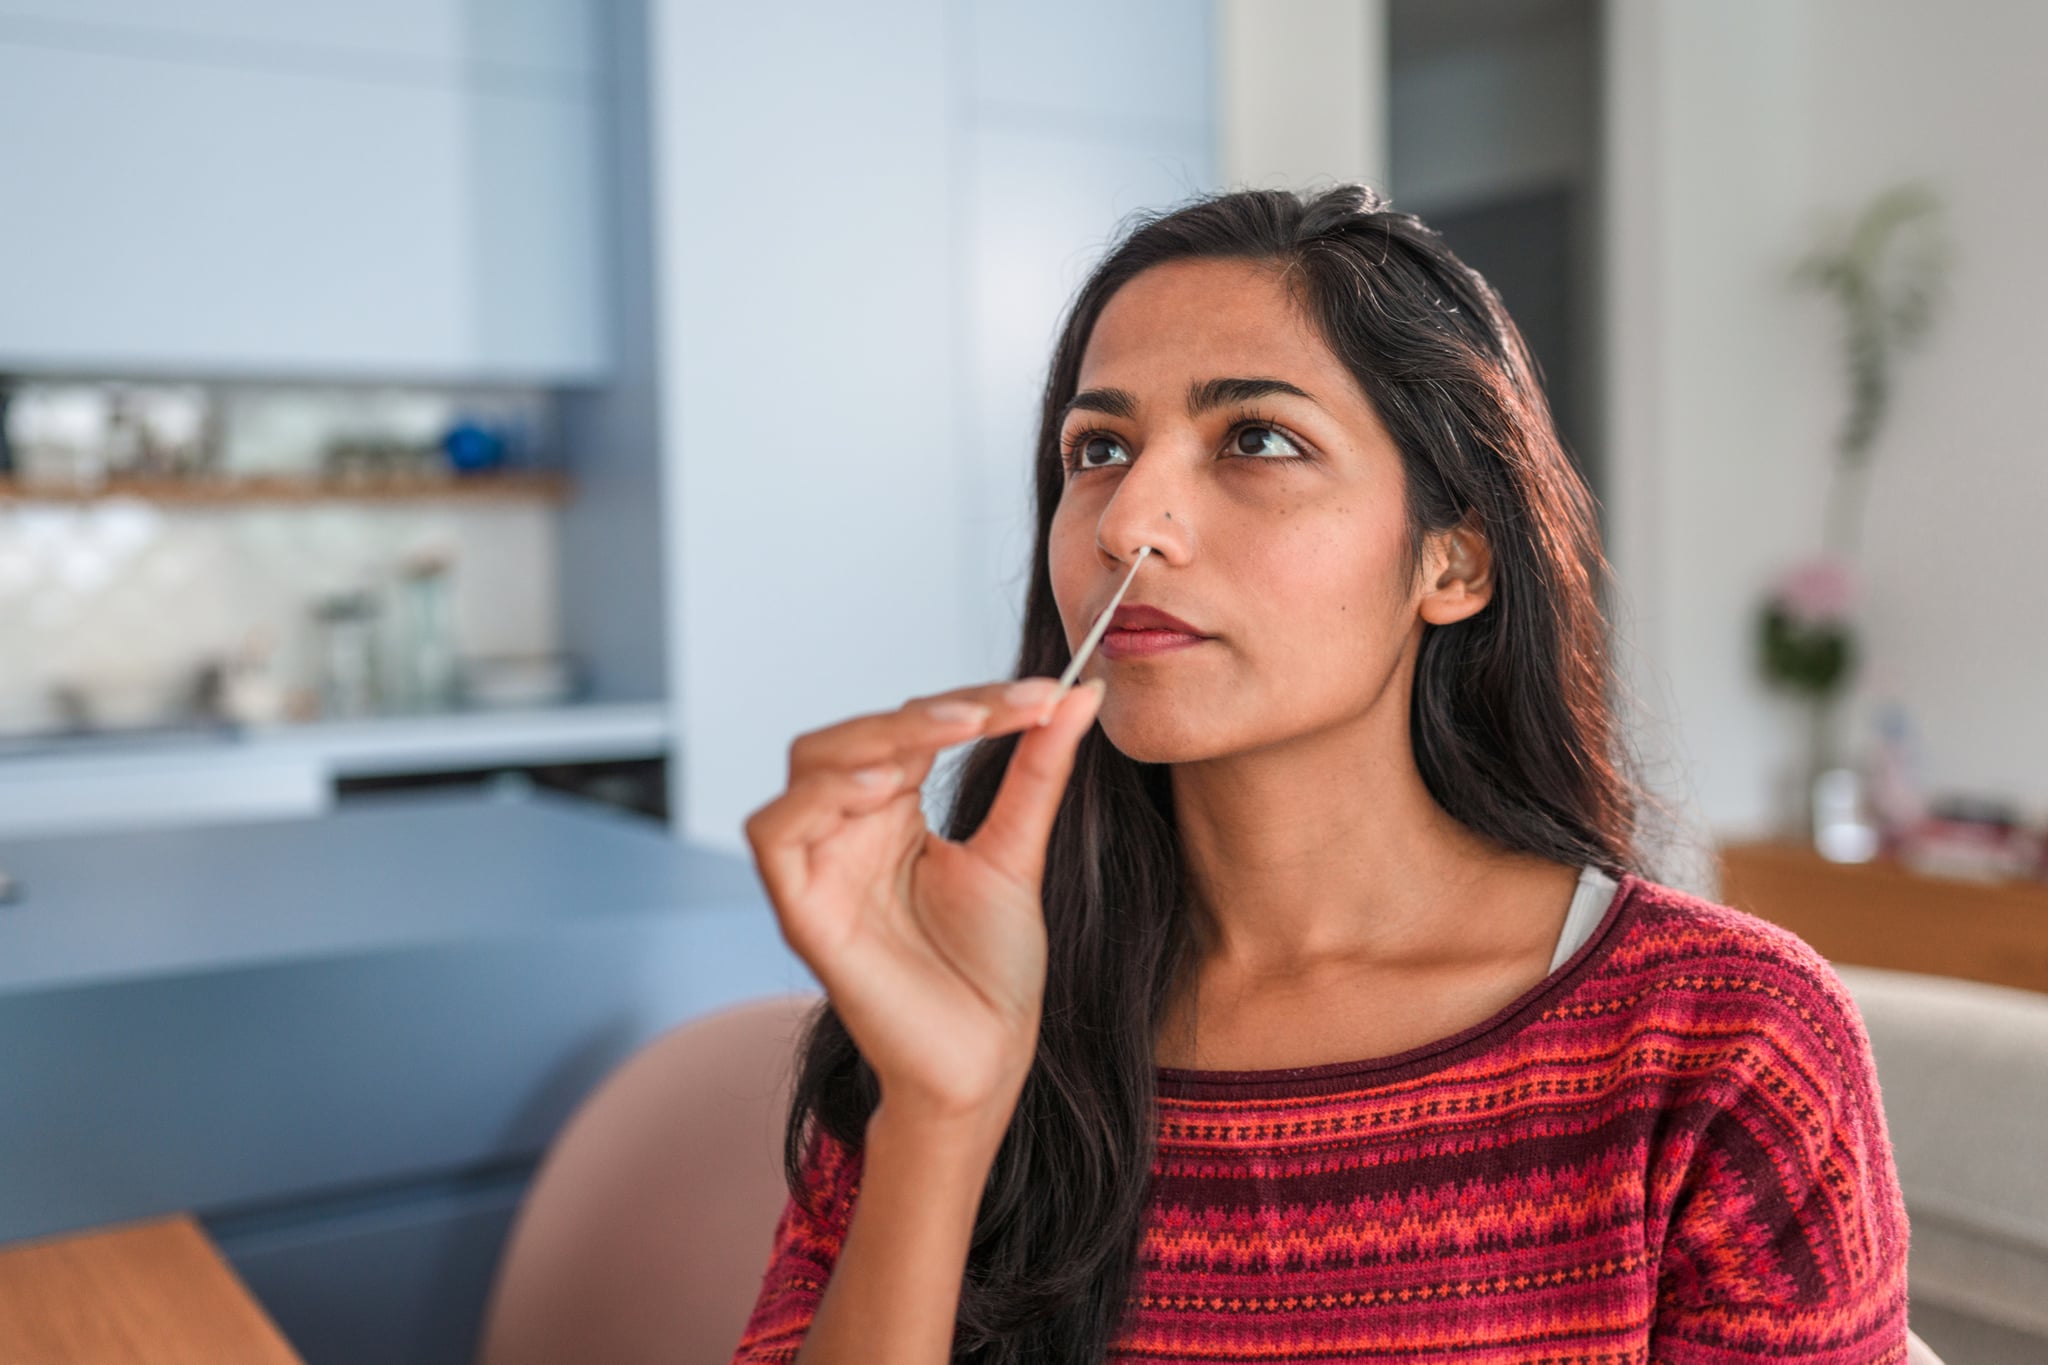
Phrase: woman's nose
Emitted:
{"points": [[1142, 512]]}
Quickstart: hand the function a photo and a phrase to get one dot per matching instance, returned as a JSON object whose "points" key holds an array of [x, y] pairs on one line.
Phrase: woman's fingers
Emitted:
{"points": [[1013, 836], [922, 726], [848, 771], [782, 832], [894, 748]]}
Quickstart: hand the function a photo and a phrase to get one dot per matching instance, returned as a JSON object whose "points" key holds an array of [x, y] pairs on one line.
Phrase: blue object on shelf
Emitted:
{"points": [[472, 446]]}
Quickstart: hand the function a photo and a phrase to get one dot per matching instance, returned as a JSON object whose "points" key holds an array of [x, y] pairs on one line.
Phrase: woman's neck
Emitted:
{"points": [[1332, 847], [1337, 912]]}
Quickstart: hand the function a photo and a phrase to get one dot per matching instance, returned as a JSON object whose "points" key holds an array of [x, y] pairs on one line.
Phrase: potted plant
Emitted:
{"points": [[1884, 272]]}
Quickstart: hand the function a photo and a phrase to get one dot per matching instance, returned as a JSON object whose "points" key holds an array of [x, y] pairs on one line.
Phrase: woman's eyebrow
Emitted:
{"points": [[1221, 393], [1203, 395], [1115, 402]]}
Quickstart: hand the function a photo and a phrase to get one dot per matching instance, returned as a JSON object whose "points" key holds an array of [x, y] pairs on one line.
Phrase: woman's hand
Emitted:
{"points": [[933, 952]]}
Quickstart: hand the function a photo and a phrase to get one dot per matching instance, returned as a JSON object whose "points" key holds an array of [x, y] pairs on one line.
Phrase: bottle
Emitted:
{"points": [[1897, 790], [1843, 831], [349, 682], [251, 693], [426, 633]]}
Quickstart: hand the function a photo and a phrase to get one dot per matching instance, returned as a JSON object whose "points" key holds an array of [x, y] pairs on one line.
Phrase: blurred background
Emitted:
{"points": [[448, 448]]}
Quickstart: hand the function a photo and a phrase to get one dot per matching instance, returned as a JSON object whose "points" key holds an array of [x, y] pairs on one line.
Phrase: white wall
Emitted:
{"points": [[807, 407], [1050, 161], [1735, 127], [867, 220], [1959, 620], [1301, 92]]}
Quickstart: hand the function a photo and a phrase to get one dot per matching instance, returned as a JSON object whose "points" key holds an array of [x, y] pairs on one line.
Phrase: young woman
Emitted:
{"points": [[1297, 993]]}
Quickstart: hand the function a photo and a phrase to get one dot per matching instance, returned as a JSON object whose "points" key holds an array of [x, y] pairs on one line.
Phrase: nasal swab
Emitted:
{"points": [[1094, 634]]}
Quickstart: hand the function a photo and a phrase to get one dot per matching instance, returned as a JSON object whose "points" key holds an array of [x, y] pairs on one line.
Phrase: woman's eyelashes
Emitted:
{"points": [[1251, 439], [1254, 438], [1079, 452]]}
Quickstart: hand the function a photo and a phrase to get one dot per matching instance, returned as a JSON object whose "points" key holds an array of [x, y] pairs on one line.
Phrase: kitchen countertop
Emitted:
{"points": [[397, 870], [107, 782], [377, 744]]}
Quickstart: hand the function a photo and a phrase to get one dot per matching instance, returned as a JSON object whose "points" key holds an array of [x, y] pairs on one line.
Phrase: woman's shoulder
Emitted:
{"points": [[1682, 933], [1699, 966]]}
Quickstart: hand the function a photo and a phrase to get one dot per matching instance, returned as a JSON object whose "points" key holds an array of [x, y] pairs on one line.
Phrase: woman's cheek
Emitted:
{"points": [[1067, 567]]}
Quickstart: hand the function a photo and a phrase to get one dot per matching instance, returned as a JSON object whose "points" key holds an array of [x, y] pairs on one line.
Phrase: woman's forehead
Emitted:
{"points": [[1192, 320]]}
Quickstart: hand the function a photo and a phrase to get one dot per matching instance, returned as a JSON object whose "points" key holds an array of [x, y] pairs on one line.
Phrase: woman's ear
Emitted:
{"points": [[1463, 565]]}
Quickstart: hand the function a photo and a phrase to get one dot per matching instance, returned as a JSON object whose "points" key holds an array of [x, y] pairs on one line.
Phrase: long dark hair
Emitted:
{"points": [[1513, 722]]}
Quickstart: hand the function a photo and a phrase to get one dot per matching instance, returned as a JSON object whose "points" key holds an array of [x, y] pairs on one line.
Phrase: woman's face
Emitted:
{"points": [[1213, 424]]}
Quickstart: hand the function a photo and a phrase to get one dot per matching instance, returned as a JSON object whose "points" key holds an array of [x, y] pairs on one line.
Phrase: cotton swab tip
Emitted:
{"points": [[1080, 660]]}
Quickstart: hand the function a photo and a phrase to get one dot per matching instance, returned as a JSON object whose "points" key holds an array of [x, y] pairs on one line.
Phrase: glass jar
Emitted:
{"points": [[348, 654], [426, 636]]}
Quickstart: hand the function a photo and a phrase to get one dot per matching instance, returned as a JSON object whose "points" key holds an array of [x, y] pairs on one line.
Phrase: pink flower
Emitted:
{"points": [[1817, 592]]}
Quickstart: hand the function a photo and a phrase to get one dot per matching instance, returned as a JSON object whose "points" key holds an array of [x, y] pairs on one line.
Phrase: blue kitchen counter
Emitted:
{"points": [[343, 1041], [394, 872]]}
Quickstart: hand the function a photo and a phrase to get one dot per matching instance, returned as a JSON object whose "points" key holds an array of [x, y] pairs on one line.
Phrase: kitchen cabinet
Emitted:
{"points": [[233, 188]]}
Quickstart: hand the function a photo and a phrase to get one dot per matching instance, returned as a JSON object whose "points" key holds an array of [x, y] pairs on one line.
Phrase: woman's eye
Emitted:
{"points": [[1085, 453], [1267, 442], [1253, 440]]}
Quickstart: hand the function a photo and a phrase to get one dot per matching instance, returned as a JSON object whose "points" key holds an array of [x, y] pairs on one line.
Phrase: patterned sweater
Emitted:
{"points": [[1671, 1149]]}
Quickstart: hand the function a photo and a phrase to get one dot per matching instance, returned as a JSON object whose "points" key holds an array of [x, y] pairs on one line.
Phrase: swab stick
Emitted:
{"points": [[1094, 634]]}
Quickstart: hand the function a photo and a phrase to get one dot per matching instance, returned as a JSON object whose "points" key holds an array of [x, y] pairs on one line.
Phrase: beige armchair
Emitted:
{"points": [[644, 1234]]}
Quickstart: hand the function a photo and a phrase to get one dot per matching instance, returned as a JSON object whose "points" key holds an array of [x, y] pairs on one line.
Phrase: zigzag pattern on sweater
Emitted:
{"points": [[1672, 1149]]}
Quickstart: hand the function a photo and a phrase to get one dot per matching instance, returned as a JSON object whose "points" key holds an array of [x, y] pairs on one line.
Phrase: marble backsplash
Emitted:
{"points": [[123, 602]]}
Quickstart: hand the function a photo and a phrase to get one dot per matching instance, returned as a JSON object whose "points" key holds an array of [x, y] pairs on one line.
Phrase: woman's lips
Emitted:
{"points": [[1143, 644]]}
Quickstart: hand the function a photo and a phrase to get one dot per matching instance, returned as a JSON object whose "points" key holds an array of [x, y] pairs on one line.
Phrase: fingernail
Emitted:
{"points": [[958, 712], [1098, 686], [1029, 690], [883, 775]]}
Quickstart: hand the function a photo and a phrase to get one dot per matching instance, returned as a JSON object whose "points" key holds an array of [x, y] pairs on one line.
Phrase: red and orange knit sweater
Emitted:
{"points": [[1670, 1150]]}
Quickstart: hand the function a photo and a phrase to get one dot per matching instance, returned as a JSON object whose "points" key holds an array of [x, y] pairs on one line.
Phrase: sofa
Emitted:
{"points": [[1963, 1070]]}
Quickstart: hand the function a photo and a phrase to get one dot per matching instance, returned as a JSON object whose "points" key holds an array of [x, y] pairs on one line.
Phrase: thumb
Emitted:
{"points": [[1013, 837]]}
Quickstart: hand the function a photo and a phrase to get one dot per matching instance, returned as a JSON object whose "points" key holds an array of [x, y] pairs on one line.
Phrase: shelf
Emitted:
{"points": [[523, 486], [1884, 914]]}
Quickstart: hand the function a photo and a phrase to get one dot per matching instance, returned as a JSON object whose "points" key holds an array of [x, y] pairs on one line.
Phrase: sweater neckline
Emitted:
{"points": [[1192, 1083]]}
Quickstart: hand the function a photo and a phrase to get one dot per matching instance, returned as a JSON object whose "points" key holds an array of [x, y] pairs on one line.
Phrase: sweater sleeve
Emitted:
{"points": [[806, 1246], [1788, 1234]]}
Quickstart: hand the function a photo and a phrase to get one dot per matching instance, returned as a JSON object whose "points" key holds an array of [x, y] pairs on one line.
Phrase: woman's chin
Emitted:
{"points": [[1149, 734]]}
